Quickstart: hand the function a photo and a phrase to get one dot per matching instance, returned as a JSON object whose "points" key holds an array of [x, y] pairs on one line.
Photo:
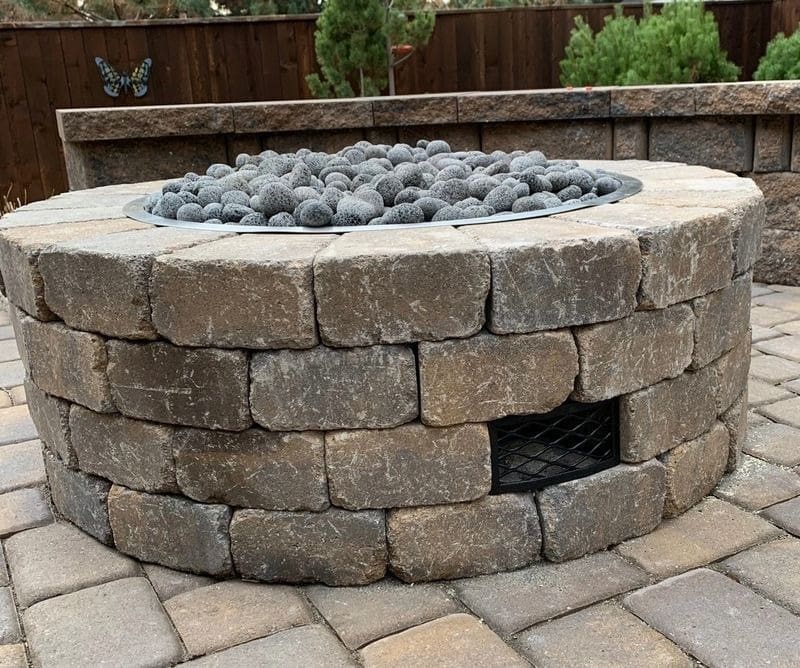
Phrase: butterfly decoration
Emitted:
{"points": [[115, 82]]}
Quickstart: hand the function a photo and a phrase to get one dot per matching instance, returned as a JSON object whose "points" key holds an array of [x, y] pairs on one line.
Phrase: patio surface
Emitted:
{"points": [[717, 586]]}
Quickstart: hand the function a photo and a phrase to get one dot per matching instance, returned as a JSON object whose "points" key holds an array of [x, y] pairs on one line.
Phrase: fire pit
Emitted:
{"points": [[432, 402]]}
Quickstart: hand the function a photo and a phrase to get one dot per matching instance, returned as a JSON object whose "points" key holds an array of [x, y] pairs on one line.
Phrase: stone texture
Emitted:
{"points": [[336, 547], [776, 443], [786, 411], [410, 285], [525, 373], [780, 194], [164, 383], [773, 144], [13, 656], [219, 616], [716, 142], [765, 316], [718, 621], [16, 425], [410, 465], [592, 513], [171, 531], [730, 374], [444, 542], [80, 498], [11, 373], [510, 602], [632, 353], [652, 101], [168, 583], [774, 369], [66, 363], [450, 642], [128, 452], [102, 284], [756, 484], [3, 570], [747, 97], [601, 635], [787, 347], [577, 140], [708, 532], [779, 257], [51, 417], [415, 110], [533, 105], [694, 468], [786, 515], [23, 509], [362, 614], [780, 300], [9, 623], [59, 559], [721, 319], [662, 416], [21, 465], [301, 115], [761, 393], [253, 468], [735, 421], [548, 277], [324, 388], [257, 292], [630, 139], [119, 623]]}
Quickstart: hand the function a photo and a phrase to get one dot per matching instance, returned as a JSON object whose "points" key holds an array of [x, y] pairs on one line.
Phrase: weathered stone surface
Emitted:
{"points": [[253, 468], [21, 465], [19, 257], [773, 144], [16, 425], [251, 117], [257, 292], [652, 101], [694, 468], [9, 623], [171, 531], [589, 514], [746, 97], [786, 515], [3, 570], [119, 623], [730, 374], [128, 452], [169, 583], [67, 363], [776, 443], [717, 142], [415, 110], [548, 277], [411, 465], [735, 421], [578, 140], [630, 139], [13, 656], [510, 602], [461, 136], [601, 635], [444, 542], [719, 621], [629, 354], [721, 319], [773, 369], [59, 559], [23, 509], [756, 484], [519, 374], [51, 417], [659, 417], [761, 393], [532, 105], [200, 387], [779, 261], [708, 532], [786, 411], [764, 316], [410, 285], [450, 642], [230, 613], [324, 388], [780, 300], [362, 614], [787, 347], [12, 373], [336, 546], [79, 497], [102, 284]]}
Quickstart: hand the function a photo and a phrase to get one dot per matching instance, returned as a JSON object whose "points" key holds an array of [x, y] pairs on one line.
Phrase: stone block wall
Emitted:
{"points": [[315, 409], [747, 128]]}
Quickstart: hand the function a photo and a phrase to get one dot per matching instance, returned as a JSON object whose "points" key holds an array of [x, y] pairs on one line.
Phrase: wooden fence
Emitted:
{"points": [[48, 66]]}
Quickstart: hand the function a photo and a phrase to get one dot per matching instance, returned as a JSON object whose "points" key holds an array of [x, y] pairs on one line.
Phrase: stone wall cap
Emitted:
{"points": [[420, 241], [251, 117], [529, 105], [252, 248]]}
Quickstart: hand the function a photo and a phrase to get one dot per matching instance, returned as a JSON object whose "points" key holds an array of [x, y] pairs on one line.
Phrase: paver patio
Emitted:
{"points": [[718, 585]]}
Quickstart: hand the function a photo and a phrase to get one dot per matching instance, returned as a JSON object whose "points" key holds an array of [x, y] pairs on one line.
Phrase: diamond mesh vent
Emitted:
{"points": [[572, 441]]}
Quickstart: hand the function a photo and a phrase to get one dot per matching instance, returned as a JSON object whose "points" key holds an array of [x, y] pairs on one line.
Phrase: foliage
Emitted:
{"points": [[479, 4], [781, 60], [353, 43], [679, 45], [267, 7]]}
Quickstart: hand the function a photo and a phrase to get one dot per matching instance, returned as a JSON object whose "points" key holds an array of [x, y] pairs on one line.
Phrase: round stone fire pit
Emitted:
{"points": [[434, 403]]}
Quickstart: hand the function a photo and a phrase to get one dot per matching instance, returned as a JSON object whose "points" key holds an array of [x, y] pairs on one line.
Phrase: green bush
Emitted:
{"points": [[678, 45], [782, 59]]}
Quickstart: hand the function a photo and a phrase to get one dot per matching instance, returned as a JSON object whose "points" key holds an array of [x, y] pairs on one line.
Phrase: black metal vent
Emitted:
{"points": [[572, 441]]}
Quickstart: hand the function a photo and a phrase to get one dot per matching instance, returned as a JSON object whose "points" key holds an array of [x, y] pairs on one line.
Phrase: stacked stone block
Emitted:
{"points": [[291, 409]]}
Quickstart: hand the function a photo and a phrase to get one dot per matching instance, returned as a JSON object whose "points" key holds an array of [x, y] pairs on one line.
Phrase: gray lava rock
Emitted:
{"points": [[479, 211], [482, 186], [331, 197], [409, 173], [430, 205], [209, 194], [235, 197], [304, 193], [389, 187], [282, 219], [521, 190], [404, 214], [256, 219], [437, 146], [218, 170], [173, 186], [276, 197], [408, 195], [582, 179], [453, 171], [355, 209], [568, 193], [449, 213], [606, 185], [399, 154], [192, 213], [500, 199], [168, 205], [451, 191], [371, 197], [588, 197], [466, 203], [346, 219], [233, 213], [313, 213], [299, 176], [558, 181], [213, 210]]}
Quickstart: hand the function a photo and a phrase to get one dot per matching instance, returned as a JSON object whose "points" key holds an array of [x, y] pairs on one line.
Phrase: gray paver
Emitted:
{"points": [[362, 614], [776, 443], [23, 509], [8, 350], [761, 393], [766, 316], [3, 569], [774, 369], [11, 373], [786, 515], [59, 559], [9, 623], [792, 328], [510, 602], [787, 347], [21, 465], [6, 332], [17, 395], [720, 622], [756, 484], [779, 300], [603, 635], [230, 613], [764, 333], [16, 425], [169, 583], [13, 656], [785, 412], [118, 623]]}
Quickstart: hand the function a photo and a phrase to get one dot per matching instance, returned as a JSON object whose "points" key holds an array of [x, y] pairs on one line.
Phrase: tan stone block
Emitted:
{"points": [[410, 465], [253, 468], [547, 276], [248, 291], [301, 115], [780, 258], [662, 416], [102, 285], [575, 140], [773, 144], [718, 142], [496, 533], [324, 388], [51, 417], [533, 105], [197, 387], [652, 101], [748, 221], [415, 110], [406, 286], [626, 355], [722, 318], [780, 195], [694, 468], [735, 421], [487, 377], [630, 139], [747, 97]]}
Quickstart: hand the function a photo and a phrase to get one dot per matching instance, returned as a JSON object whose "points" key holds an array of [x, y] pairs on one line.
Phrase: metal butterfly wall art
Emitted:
{"points": [[115, 82]]}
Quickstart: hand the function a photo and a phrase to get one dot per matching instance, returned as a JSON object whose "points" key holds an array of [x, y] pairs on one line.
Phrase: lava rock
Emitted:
{"points": [[234, 197], [430, 205], [313, 213], [356, 209], [408, 195], [233, 213], [168, 205], [606, 185], [404, 214], [192, 213], [500, 199], [275, 198], [209, 194], [451, 191], [437, 146], [282, 219], [449, 213], [255, 219], [568, 193]]}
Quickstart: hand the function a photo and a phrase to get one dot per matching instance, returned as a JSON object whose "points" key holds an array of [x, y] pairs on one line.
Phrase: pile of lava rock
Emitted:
{"points": [[376, 184]]}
